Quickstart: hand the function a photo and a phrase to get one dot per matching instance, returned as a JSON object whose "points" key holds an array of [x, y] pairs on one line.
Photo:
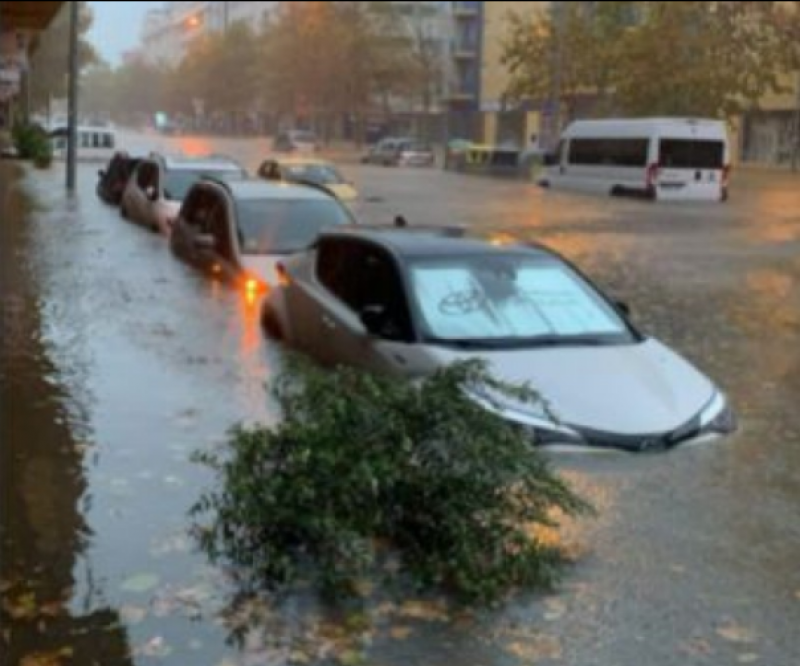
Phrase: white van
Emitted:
{"points": [[657, 158], [94, 143]]}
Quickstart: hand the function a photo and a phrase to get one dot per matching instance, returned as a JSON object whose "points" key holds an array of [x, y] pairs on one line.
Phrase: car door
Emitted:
{"points": [[350, 276], [192, 224]]}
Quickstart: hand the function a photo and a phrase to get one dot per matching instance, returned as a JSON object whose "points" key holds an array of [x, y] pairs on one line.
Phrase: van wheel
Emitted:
{"points": [[270, 325], [617, 191]]}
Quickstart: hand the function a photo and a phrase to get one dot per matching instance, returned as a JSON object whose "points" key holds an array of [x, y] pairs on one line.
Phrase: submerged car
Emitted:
{"points": [[308, 170], [113, 180], [237, 231], [408, 303], [160, 183]]}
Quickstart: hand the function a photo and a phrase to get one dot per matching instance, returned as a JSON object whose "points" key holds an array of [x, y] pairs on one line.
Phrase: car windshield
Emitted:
{"points": [[510, 300], [321, 174], [178, 181], [283, 226]]}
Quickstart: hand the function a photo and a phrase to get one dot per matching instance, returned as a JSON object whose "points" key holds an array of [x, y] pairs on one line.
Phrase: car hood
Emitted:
{"points": [[263, 266], [632, 389]]}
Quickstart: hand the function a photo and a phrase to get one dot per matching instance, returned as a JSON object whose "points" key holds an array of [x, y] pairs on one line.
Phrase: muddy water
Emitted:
{"points": [[118, 362]]}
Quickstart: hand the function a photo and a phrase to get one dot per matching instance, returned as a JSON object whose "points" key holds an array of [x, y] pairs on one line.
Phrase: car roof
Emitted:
{"points": [[289, 161], [208, 162], [255, 189], [427, 242]]}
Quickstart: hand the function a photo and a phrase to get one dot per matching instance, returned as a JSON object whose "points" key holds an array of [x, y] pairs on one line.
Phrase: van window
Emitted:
{"points": [[691, 154], [609, 152]]}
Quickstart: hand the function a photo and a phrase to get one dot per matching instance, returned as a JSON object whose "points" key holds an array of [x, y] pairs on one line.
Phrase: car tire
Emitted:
{"points": [[269, 323]]}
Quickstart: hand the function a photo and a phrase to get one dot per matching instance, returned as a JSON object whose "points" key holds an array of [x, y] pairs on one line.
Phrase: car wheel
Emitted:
{"points": [[270, 324]]}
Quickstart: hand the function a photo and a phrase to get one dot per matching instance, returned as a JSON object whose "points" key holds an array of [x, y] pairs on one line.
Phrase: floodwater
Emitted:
{"points": [[117, 362]]}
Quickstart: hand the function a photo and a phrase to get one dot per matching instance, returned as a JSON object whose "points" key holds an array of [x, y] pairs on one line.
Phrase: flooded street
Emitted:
{"points": [[117, 362]]}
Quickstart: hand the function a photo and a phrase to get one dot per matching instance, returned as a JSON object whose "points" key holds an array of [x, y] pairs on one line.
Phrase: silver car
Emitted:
{"points": [[408, 303], [159, 185]]}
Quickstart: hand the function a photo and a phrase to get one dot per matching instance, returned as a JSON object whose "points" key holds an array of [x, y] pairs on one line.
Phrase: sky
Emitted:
{"points": [[116, 27]]}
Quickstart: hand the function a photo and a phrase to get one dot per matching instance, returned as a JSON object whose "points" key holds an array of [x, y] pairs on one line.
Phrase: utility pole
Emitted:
{"points": [[554, 104], [796, 148], [72, 112]]}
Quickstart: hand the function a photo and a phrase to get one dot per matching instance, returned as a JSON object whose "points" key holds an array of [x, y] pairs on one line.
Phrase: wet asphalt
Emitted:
{"points": [[117, 362]]}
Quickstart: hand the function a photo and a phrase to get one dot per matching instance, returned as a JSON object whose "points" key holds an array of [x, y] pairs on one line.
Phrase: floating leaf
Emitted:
{"points": [[351, 658], [22, 607], [132, 614], [430, 611], [52, 609], [736, 633], [400, 633], [140, 583], [155, 648], [52, 658]]}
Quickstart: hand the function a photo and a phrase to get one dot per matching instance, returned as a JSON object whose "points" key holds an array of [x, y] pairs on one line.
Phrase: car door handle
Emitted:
{"points": [[328, 323]]}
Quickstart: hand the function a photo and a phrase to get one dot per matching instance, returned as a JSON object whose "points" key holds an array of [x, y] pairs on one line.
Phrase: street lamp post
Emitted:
{"points": [[72, 111]]}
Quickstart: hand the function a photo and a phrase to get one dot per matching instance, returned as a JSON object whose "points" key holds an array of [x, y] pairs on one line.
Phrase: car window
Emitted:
{"points": [[361, 275], [510, 298], [321, 174], [283, 226], [178, 182], [197, 210], [218, 225], [145, 175]]}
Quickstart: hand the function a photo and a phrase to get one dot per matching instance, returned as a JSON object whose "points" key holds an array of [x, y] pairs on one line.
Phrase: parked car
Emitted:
{"points": [[406, 304], [400, 152], [296, 141], [237, 231], [113, 180], [308, 170], [93, 143], [154, 193]]}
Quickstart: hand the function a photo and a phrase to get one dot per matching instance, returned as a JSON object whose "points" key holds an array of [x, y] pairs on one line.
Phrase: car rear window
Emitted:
{"points": [[179, 181], [691, 154], [283, 226]]}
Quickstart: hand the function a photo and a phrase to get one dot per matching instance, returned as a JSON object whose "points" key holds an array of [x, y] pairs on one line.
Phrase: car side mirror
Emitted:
{"points": [[205, 242], [374, 318], [623, 307]]}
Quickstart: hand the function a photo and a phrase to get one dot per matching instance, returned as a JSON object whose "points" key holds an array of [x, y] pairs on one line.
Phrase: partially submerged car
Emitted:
{"points": [[238, 231], [112, 181], [309, 170], [408, 303], [160, 183]]}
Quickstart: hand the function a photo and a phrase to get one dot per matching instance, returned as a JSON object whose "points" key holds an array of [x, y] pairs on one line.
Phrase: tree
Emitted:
{"points": [[642, 58], [49, 62]]}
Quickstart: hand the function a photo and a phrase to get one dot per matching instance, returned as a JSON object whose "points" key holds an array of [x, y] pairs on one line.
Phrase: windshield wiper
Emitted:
{"points": [[524, 343]]}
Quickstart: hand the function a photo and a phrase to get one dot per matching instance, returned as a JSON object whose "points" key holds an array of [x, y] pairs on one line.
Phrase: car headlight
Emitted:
{"points": [[718, 416], [542, 428]]}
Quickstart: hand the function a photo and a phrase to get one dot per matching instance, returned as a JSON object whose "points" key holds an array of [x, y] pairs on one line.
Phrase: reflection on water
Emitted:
{"points": [[43, 534]]}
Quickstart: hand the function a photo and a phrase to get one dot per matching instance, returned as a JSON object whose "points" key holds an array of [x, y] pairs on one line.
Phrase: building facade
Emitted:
{"points": [[167, 32]]}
